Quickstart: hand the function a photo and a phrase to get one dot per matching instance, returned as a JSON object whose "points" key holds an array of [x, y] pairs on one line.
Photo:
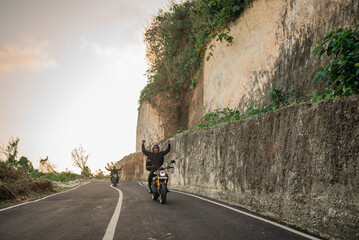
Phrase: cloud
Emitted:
{"points": [[116, 59], [112, 52], [124, 12], [29, 55]]}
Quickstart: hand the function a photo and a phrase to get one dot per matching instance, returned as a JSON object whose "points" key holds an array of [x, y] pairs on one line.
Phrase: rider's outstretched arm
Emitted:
{"points": [[168, 149], [147, 153]]}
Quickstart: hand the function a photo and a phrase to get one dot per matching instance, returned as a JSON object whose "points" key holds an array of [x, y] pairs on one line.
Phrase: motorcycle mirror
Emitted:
{"points": [[173, 161]]}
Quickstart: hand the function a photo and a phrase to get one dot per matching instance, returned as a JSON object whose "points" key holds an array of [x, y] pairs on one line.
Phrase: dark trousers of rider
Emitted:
{"points": [[153, 169], [117, 180]]}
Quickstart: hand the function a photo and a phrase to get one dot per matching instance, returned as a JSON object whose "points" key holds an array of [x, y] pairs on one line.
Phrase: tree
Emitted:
{"points": [[46, 166], [110, 165], [79, 159], [11, 152], [99, 174], [25, 164]]}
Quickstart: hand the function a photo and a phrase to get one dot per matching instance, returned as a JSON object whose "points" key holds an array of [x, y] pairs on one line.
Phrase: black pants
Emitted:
{"points": [[117, 179], [153, 169]]}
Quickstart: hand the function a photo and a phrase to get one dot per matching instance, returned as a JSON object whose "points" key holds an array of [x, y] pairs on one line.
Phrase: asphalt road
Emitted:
{"points": [[86, 213]]}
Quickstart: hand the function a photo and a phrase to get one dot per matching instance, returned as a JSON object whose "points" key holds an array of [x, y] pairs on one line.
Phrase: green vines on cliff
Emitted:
{"points": [[278, 99], [178, 39], [341, 75]]}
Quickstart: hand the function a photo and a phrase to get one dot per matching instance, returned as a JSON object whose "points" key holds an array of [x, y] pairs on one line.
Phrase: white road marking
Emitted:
{"points": [[110, 232], [24, 203], [251, 215]]}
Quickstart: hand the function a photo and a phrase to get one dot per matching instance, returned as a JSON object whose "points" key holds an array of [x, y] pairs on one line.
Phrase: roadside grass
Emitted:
{"points": [[18, 185]]}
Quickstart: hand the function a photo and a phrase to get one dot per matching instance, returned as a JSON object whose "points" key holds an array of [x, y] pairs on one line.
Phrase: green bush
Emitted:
{"points": [[225, 115], [180, 131], [178, 39], [280, 98], [54, 176], [341, 75]]}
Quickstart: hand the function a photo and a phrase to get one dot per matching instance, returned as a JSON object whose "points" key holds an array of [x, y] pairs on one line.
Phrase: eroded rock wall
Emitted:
{"points": [[133, 167], [299, 164], [272, 47], [158, 119], [273, 40]]}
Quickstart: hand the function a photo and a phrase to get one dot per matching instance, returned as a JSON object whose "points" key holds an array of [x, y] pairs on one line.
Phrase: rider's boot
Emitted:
{"points": [[149, 189]]}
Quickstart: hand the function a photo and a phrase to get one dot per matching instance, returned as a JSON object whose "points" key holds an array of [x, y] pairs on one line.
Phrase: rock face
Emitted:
{"points": [[299, 164], [273, 40], [133, 167], [272, 47], [149, 125], [158, 120]]}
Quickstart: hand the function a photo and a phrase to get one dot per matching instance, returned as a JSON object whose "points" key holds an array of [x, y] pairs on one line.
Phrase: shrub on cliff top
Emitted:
{"points": [[342, 73], [178, 39]]}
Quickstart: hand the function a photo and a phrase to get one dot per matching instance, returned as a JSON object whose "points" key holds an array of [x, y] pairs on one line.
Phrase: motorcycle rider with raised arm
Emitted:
{"points": [[157, 159], [113, 171]]}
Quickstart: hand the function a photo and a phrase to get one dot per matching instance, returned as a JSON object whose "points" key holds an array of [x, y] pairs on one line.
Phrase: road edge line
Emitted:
{"points": [[111, 228], [37, 200], [253, 216], [248, 214]]}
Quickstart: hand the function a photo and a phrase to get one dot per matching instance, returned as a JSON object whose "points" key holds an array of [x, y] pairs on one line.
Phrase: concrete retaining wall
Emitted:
{"points": [[299, 164]]}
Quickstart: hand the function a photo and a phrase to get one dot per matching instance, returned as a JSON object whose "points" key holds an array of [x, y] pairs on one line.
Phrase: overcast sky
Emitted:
{"points": [[71, 72]]}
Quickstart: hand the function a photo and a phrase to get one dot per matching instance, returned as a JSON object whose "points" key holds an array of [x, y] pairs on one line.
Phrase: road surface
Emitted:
{"points": [[98, 211]]}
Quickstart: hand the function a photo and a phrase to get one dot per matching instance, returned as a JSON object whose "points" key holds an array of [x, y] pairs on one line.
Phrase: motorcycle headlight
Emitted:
{"points": [[162, 173]]}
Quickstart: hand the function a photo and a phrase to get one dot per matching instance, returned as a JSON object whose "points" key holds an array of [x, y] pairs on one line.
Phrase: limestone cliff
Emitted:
{"points": [[272, 47], [299, 164]]}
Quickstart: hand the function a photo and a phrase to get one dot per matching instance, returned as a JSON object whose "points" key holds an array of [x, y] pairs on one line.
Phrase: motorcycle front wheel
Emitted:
{"points": [[163, 193]]}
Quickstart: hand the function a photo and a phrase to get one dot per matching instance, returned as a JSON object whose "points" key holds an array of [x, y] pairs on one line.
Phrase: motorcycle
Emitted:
{"points": [[114, 180], [159, 184]]}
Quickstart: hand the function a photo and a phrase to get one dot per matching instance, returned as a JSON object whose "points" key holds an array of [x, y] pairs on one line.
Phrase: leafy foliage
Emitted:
{"points": [[225, 115], [327, 94], [109, 166], [211, 21], [99, 174], [342, 73], [79, 159], [25, 164], [55, 176], [170, 51], [280, 98], [24, 168], [177, 41], [180, 131], [10, 152], [46, 166]]}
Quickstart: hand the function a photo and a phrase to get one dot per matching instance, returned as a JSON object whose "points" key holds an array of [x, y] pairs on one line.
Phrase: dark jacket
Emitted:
{"points": [[157, 159]]}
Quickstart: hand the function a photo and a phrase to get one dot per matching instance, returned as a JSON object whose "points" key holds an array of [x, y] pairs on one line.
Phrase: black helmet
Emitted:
{"points": [[155, 146]]}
